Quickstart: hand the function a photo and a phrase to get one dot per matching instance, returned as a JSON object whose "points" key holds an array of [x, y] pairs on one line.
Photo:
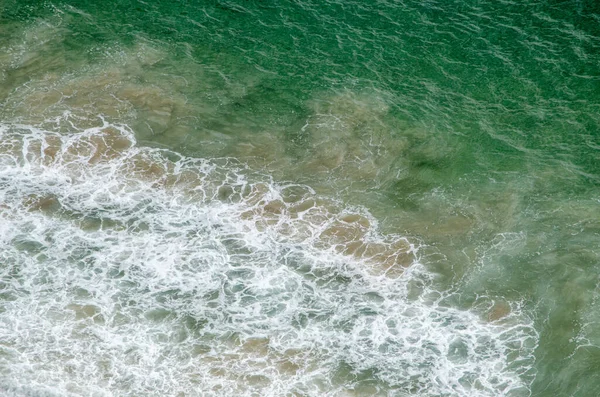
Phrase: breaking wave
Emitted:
{"points": [[130, 270]]}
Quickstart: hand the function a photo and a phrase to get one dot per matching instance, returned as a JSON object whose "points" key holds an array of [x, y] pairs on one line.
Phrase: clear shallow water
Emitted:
{"points": [[299, 199]]}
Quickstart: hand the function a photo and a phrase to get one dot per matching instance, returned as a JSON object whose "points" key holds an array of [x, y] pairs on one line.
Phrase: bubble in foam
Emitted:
{"points": [[130, 270]]}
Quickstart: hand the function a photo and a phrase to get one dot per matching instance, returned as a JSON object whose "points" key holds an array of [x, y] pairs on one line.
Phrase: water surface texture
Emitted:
{"points": [[304, 198]]}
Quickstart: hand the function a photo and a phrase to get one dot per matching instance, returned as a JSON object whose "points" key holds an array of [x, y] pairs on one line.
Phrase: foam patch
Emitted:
{"points": [[131, 270]]}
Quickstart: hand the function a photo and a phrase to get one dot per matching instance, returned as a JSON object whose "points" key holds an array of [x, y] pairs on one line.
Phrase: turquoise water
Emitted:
{"points": [[237, 198]]}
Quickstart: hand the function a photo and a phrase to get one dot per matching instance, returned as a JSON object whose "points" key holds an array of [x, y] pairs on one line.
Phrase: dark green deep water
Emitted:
{"points": [[469, 128]]}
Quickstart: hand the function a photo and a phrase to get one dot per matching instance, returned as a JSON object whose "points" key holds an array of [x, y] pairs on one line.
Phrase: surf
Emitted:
{"points": [[131, 269]]}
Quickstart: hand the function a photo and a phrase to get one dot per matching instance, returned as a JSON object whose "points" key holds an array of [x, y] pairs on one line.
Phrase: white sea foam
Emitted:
{"points": [[135, 271]]}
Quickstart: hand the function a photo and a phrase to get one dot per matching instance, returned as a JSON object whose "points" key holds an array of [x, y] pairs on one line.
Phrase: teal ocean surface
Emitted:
{"points": [[299, 198]]}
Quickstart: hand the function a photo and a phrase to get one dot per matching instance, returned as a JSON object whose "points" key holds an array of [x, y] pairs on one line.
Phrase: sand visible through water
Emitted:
{"points": [[297, 200]]}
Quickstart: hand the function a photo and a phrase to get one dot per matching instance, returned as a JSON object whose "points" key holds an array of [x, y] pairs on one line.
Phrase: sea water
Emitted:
{"points": [[299, 198]]}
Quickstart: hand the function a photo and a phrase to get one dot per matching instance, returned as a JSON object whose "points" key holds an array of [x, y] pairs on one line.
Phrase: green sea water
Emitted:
{"points": [[202, 198]]}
